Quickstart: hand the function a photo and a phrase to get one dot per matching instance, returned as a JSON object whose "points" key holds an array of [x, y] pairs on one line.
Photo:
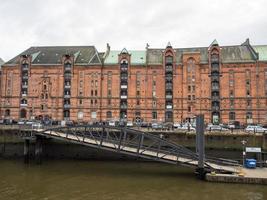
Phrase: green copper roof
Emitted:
{"points": [[262, 50], [137, 57], [214, 43]]}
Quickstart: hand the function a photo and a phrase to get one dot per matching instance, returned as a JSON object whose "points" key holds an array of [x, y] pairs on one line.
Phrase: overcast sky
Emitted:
{"points": [[129, 23]]}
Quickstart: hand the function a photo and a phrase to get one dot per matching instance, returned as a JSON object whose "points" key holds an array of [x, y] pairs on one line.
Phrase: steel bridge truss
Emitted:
{"points": [[134, 143]]}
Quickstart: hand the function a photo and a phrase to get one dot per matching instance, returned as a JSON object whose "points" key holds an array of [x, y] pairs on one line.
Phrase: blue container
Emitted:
{"points": [[251, 163]]}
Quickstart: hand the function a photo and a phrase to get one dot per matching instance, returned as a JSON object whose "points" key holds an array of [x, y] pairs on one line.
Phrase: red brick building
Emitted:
{"points": [[225, 83]]}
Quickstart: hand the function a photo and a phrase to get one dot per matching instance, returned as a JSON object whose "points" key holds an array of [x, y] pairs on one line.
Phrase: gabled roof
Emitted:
{"points": [[262, 51], [214, 43], [1, 61], [229, 54], [137, 57], [83, 55]]}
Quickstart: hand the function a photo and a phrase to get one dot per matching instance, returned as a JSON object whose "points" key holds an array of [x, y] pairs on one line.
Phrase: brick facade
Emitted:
{"points": [[234, 87]]}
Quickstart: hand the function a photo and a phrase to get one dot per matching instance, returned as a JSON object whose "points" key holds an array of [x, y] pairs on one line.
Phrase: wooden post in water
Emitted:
{"points": [[200, 146], [38, 150], [26, 150]]}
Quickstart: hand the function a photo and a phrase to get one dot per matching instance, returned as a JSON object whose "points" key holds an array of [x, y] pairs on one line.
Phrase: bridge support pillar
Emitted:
{"points": [[26, 151], [38, 150], [200, 146]]}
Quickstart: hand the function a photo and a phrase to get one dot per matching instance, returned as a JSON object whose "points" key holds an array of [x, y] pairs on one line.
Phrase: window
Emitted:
{"points": [[232, 103], [109, 114], [96, 83], [231, 83], [154, 103], [248, 103], [137, 93], [249, 115], [189, 88], [45, 87], [92, 83], [92, 101], [193, 88], [95, 101], [109, 102], [189, 108], [154, 115], [232, 116], [95, 92], [109, 92], [80, 101], [231, 93], [138, 102], [169, 59], [92, 93], [189, 97]]}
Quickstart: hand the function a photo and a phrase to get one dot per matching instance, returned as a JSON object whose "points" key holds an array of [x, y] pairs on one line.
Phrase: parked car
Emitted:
{"points": [[111, 123], [21, 122], [156, 125], [216, 128], [256, 129], [37, 125], [177, 125], [187, 127], [30, 122], [129, 124]]}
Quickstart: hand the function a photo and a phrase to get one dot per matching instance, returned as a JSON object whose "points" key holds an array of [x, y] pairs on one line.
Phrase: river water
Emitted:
{"points": [[114, 180]]}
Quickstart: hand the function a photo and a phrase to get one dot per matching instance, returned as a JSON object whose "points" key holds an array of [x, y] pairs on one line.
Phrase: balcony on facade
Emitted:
{"points": [[214, 58], [67, 106], [124, 68], [215, 68], [24, 86], [25, 67], [168, 69], [67, 76], [168, 86], [168, 106], [168, 78], [123, 106], [215, 78], [67, 67], [215, 98], [67, 86], [215, 108], [168, 95], [124, 86], [25, 76], [124, 77], [215, 86]]}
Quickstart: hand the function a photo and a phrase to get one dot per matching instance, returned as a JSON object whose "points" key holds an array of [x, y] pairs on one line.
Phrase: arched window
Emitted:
{"points": [[191, 66], [23, 113], [109, 114], [231, 115], [169, 59], [7, 113], [80, 115], [23, 101]]}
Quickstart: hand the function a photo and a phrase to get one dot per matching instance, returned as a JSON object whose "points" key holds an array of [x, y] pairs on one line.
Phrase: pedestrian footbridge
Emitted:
{"points": [[135, 143]]}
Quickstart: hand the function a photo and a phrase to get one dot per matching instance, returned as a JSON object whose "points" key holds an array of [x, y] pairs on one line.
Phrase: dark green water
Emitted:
{"points": [[113, 180]]}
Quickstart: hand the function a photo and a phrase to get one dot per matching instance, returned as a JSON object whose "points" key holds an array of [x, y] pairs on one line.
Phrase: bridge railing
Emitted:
{"points": [[134, 141], [124, 139]]}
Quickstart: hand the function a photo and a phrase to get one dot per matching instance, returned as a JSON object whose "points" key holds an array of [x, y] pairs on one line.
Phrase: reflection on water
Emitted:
{"points": [[113, 180]]}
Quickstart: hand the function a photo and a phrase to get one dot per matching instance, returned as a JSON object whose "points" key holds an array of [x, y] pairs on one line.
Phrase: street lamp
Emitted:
{"points": [[244, 142]]}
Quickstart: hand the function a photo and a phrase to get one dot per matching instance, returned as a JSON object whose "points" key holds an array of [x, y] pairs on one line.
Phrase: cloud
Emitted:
{"points": [[129, 23]]}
